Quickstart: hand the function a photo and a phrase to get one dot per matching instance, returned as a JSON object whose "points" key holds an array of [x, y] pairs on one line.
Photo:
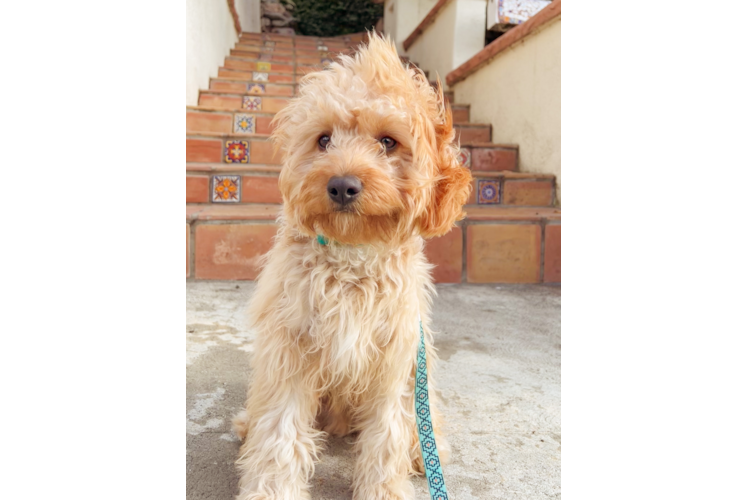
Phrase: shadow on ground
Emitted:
{"points": [[499, 377]]}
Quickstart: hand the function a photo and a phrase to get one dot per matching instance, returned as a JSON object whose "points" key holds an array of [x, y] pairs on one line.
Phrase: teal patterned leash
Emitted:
{"points": [[431, 462]]}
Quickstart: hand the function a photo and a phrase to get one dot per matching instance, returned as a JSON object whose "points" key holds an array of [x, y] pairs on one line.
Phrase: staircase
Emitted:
{"points": [[512, 232]]}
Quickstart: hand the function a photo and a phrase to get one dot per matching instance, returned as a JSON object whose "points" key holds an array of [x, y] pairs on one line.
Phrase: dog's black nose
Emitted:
{"points": [[344, 190]]}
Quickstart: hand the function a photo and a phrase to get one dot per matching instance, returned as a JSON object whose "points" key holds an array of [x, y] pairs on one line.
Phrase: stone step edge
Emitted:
{"points": [[235, 168], [271, 170], [242, 94], [232, 136], [211, 110], [223, 79], [265, 211]]}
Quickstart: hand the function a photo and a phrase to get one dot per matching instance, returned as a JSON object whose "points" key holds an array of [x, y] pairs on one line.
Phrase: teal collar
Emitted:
{"points": [[321, 240]]}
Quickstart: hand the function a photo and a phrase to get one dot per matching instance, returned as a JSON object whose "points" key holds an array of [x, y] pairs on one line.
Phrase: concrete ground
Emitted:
{"points": [[499, 376]]}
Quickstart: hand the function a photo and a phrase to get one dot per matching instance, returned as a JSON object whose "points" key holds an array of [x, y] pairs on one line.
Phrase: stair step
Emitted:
{"points": [[242, 86], [471, 133], [487, 157], [202, 149], [236, 168], [249, 76], [492, 245], [460, 113], [208, 121], [489, 188], [234, 102], [248, 188]]}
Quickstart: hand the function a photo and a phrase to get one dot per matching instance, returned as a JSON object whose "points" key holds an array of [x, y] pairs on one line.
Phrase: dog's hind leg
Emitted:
{"points": [[334, 417]]}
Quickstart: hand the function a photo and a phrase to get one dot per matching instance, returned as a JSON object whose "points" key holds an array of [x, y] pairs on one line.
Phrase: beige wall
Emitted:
{"points": [[652, 109], [433, 51], [249, 15], [519, 93], [456, 35], [401, 17]]}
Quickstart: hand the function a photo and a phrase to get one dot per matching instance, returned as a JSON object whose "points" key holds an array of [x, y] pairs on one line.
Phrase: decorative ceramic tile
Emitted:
{"points": [[227, 188], [259, 77], [488, 192], [256, 88], [267, 50], [244, 124], [236, 152], [519, 11], [266, 57], [252, 103], [464, 157], [269, 43], [325, 61], [322, 47], [263, 66]]}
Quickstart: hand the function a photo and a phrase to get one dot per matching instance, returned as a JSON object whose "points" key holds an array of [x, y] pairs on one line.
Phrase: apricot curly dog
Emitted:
{"points": [[369, 171]]}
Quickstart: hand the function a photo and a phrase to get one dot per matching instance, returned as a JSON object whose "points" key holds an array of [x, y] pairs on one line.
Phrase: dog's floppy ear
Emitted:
{"points": [[453, 184]]}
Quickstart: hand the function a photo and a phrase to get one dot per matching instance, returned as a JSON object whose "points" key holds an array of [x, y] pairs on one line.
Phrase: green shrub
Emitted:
{"points": [[335, 17]]}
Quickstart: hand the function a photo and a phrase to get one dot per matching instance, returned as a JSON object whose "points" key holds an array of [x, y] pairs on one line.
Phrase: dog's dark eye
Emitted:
{"points": [[324, 141], [388, 142]]}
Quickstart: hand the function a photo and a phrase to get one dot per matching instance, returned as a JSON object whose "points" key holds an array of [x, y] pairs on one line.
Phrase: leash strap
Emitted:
{"points": [[431, 462]]}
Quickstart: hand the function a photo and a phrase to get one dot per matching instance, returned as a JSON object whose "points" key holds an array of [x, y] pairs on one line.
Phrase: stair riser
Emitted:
{"points": [[234, 103], [511, 192], [300, 59], [243, 88], [470, 253], [527, 193], [472, 134], [245, 65], [214, 151], [248, 76], [253, 189], [460, 115], [490, 159], [226, 122]]}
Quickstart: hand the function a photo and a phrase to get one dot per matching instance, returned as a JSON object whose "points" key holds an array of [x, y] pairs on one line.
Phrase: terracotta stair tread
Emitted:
{"points": [[494, 145], [503, 213], [233, 212], [242, 94], [217, 135], [210, 109], [508, 174], [267, 211], [241, 79], [240, 168]]}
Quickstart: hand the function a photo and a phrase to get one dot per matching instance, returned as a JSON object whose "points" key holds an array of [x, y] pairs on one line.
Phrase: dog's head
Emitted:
{"points": [[368, 153]]}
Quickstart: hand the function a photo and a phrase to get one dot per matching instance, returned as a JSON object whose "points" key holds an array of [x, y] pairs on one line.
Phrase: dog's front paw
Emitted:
{"points": [[279, 495], [402, 490]]}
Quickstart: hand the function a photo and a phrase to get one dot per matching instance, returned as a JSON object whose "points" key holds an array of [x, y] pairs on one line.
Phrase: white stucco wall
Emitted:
{"points": [[210, 37], [519, 93], [456, 35], [402, 16], [433, 50], [249, 15]]}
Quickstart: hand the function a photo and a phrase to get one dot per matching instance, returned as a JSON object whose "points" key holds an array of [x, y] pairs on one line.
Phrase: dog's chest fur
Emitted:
{"points": [[364, 303]]}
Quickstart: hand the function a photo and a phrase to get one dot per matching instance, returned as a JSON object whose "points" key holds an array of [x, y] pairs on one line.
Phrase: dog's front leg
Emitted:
{"points": [[384, 445], [278, 455]]}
